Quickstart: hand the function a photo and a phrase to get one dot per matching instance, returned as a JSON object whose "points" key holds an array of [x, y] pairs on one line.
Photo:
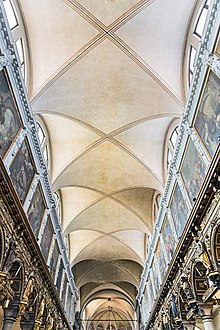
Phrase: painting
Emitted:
{"points": [[168, 238], [54, 260], [179, 210], [63, 297], [10, 122], [22, 171], [36, 210], [159, 253], [207, 122], [193, 171], [47, 238], [217, 48], [155, 278], [59, 276]]}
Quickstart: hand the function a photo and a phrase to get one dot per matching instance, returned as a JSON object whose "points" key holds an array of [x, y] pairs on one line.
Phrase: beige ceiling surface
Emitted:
{"points": [[106, 81]]}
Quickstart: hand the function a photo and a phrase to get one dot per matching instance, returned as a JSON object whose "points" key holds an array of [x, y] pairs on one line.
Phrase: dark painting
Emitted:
{"points": [[22, 171], [47, 238], [156, 279], [59, 277], [193, 171], [207, 121], [10, 122], [160, 259], [63, 296], [168, 238], [54, 260], [179, 210], [36, 210]]}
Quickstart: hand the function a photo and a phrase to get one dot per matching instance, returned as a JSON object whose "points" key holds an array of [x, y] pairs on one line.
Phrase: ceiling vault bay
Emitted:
{"points": [[106, 81]]}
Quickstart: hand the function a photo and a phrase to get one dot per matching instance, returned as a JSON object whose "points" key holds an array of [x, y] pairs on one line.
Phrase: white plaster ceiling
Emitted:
{"points": [[106, 81]]}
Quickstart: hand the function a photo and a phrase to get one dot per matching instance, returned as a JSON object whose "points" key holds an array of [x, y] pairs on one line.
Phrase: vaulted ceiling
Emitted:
{"points": [[106, 79]]}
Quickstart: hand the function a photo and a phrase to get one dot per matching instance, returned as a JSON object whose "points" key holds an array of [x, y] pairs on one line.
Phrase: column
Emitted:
{"points": [[207, 316], [10, 316]]}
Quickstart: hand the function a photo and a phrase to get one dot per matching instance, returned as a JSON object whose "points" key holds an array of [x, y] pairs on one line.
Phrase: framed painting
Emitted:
{"points": [[10, 122], [47, 238], [193, 171], [168, 238], [22, 171], [217, 46], [36, 210], [54, 260], [179, 211], [160, 259], [59, 276], [207, 120], [155, 278], [63, 296]]}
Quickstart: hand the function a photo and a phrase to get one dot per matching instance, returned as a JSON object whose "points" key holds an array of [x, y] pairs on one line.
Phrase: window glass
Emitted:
{"points": [[201, 22], [20, 50], [10, 12], [173, 138], [41, 134]]}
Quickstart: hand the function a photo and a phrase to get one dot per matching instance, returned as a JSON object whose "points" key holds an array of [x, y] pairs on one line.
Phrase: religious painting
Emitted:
{"points": [[193, 171], [54, 260], [155, 278], [207, 122], [22, 171], [59, 276], [159, 253], [168, 238], [69, 306], [10, 122], [217, 48], [179, 211], [47, 238], [63, 296], [36, 210]]}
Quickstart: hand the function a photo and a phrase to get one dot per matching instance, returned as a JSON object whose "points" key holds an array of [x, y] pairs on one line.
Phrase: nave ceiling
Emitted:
{"points": [[106, 81]]}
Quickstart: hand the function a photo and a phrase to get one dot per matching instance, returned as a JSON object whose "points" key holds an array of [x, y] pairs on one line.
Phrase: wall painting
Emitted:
{"points": [[10, 122], [47, 238], [22, 171], [54, 260], [59, 276], [179, 211], [207, 122], [36, 210], [161, 261], [168, 238], [193, 171]]}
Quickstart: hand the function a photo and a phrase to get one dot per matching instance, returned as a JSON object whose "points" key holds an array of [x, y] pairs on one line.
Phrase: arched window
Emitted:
{"points": [[57, 200], [171, 144], [156, 205], [43, 139], [16, 25], [194, 35]]}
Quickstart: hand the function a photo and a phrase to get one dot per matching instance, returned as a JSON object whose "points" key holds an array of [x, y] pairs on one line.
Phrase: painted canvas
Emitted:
{"points": [[36, 210], [10, 122], [155, 278], [218, 46], [193, 171], [179, 211], [63, 296], [150, 288], [207, 121], [22, 171], [54, 260], [47, 238], [159, 253], [168, 239], [59, 276]]}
